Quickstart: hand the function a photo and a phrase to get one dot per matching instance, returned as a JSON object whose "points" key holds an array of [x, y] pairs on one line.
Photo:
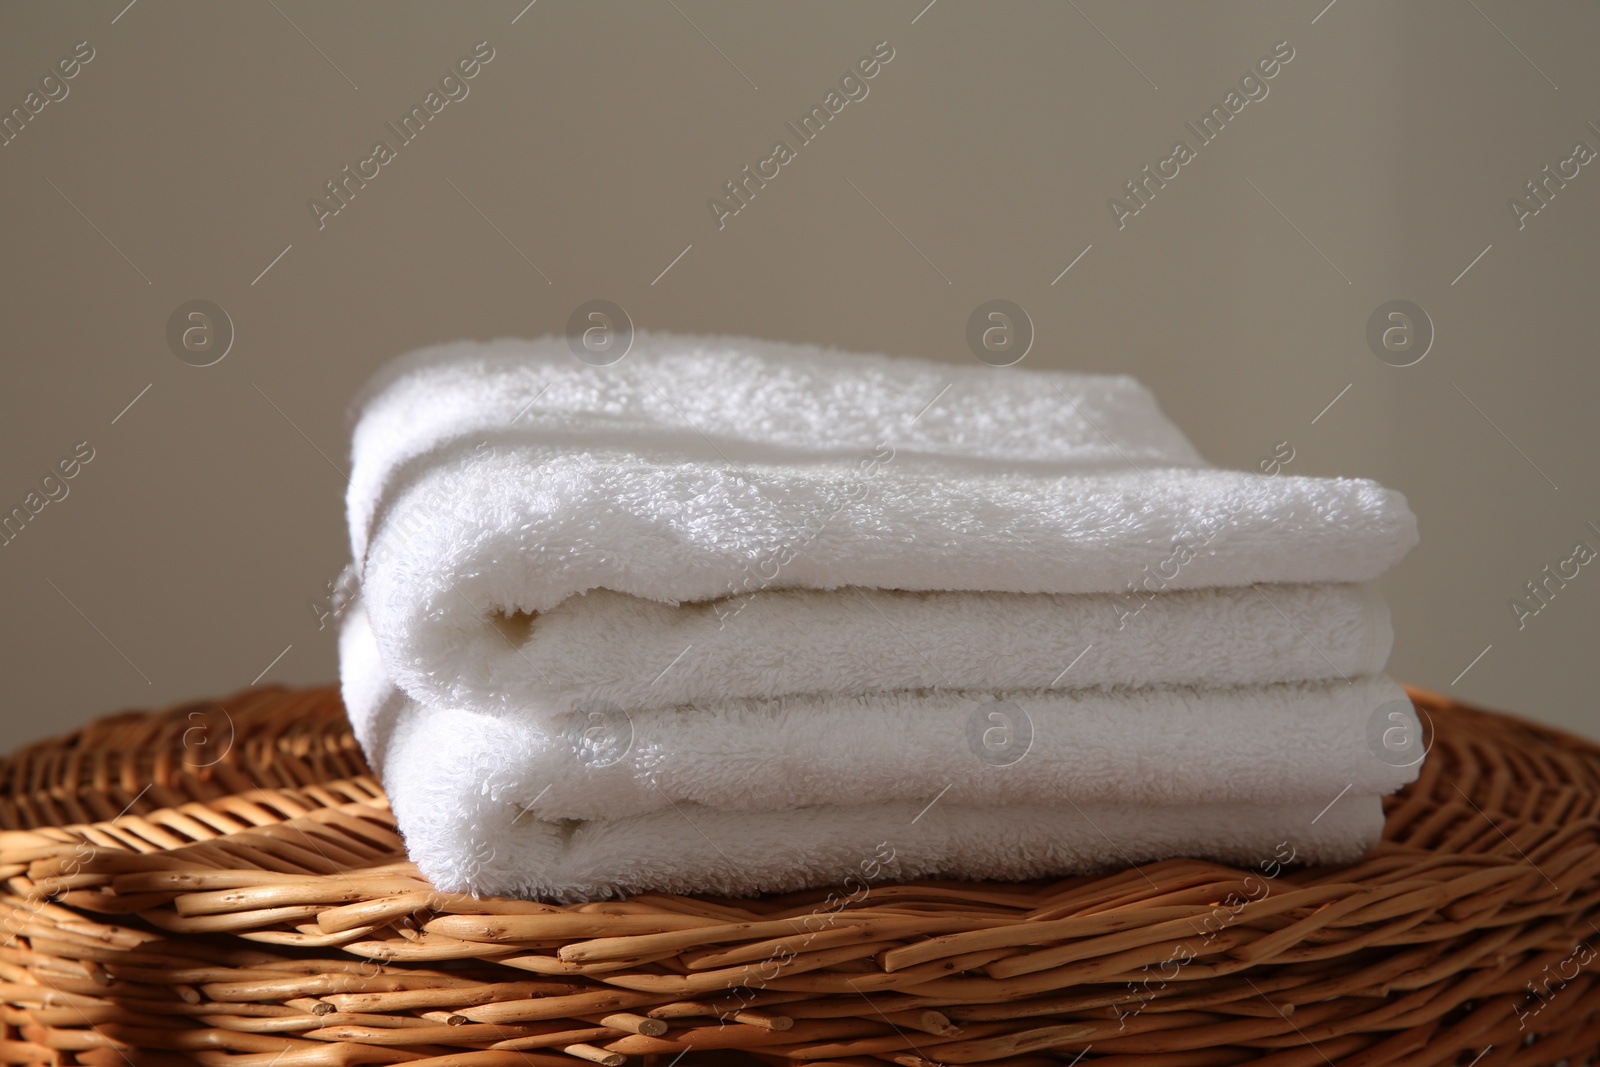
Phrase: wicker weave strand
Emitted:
{"points": [[222, 883]]}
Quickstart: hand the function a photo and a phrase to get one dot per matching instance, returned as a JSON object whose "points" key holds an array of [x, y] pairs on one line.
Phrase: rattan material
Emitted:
{"points": [[224, 884]]}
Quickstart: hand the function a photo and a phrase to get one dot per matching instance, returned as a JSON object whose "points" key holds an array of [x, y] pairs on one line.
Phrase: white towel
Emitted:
{"points": [[638, 653], [727, 853], [1151, 744], [757, 795], [492, 479]]}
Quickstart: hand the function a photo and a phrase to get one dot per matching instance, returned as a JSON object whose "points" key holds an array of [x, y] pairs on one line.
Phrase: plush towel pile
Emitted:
{"points": [[733, 616]]}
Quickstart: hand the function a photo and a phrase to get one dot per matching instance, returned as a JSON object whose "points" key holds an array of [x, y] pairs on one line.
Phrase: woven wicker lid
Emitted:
{"points": [[222, 882]]}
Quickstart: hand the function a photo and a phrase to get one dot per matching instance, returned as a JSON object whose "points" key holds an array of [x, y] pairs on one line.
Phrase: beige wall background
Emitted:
{"points": [[190, 553]]}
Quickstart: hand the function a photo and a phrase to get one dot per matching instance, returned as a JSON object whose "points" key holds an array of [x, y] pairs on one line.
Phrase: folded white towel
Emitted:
{"points": [[697, 850], [581, 806], [1146, 745], [638, 653], [493, 479]]}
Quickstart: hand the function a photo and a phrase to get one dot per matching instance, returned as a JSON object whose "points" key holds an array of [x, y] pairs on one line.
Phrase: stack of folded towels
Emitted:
{"points": [[734, 616]]}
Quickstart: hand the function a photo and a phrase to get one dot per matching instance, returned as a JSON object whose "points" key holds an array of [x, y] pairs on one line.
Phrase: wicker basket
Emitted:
{"points": [[223, 884]]}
